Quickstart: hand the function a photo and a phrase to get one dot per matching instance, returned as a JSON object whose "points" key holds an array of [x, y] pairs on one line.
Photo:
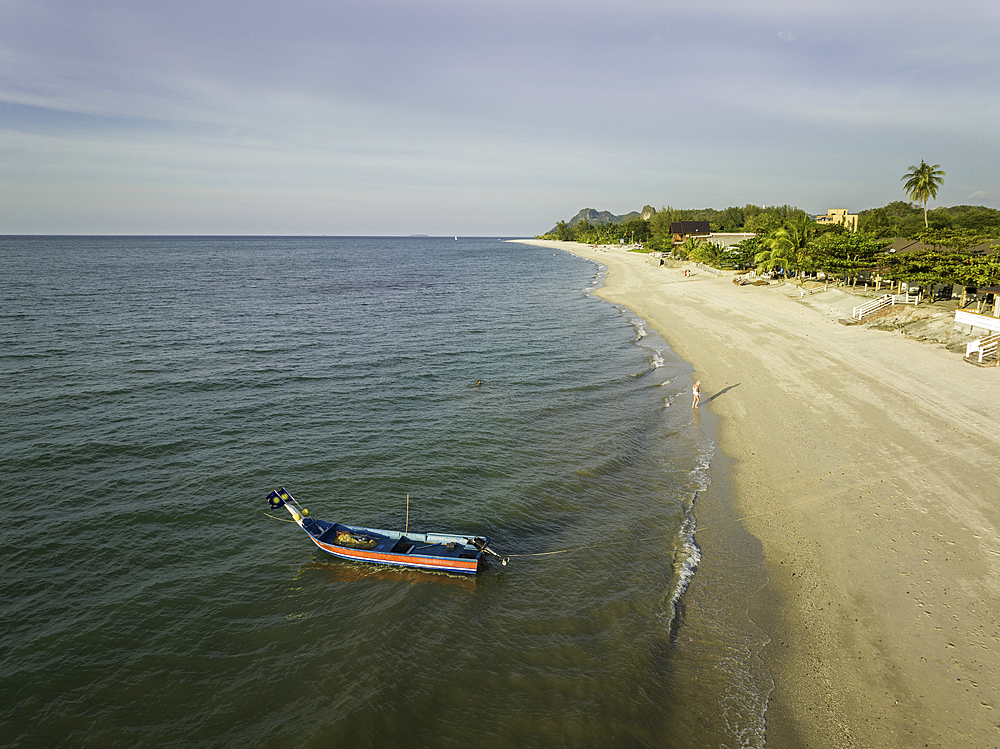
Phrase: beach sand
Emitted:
{"points": [[867, 464]]}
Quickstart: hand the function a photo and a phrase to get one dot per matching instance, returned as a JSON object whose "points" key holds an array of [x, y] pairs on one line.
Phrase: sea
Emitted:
{"points": [[155, 389]]}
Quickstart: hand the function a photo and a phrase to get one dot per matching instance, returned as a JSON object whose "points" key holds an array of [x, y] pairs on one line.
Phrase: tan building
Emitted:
{"points": [[839, 216]]}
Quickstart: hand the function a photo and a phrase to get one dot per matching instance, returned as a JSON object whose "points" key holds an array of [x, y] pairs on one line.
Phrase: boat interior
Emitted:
{"points": [[419, 543]]}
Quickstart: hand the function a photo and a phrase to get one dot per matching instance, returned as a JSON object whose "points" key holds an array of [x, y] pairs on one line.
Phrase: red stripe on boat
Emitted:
{"points": [[404, 560]]}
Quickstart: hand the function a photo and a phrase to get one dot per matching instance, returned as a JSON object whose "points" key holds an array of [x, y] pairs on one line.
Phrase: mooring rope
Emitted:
{"points": [[544, 553], [604, 544], [283, 520], [536, 554]]}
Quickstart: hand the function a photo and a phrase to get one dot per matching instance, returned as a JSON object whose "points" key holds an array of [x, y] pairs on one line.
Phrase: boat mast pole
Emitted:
{"points": [[407, 528]]}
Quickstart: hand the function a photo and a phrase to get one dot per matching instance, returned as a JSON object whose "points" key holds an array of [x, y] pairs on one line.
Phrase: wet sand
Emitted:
{"points": [[868, 465]]}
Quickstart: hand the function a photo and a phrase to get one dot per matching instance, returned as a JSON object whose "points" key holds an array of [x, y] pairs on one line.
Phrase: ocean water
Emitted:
{"points": [[155, 389]]}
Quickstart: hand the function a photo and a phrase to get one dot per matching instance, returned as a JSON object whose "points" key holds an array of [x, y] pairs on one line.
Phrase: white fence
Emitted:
{"points": [[873, 306], [885, 300], [986, 347], [807, 292]]}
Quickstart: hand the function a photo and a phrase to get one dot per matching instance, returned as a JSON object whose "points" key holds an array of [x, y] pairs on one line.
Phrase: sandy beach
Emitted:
{"points": [[867, 464]]}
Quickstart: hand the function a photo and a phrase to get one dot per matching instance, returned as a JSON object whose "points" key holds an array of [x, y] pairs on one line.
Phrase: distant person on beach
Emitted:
{"points": [[696, 391]]}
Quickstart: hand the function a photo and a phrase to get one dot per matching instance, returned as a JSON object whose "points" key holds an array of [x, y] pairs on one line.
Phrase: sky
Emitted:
{"points": [[481, 117]]}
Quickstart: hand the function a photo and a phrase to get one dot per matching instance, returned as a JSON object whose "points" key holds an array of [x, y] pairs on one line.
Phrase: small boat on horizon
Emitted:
{"points": [[440, 552]]}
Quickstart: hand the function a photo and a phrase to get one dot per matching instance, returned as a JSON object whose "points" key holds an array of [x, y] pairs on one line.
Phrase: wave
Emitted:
{"points": [[687, 557]]}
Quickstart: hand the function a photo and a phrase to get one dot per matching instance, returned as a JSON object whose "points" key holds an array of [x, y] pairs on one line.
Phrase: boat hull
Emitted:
{"points": [[436, 552], [468, 567], [424, 551]]}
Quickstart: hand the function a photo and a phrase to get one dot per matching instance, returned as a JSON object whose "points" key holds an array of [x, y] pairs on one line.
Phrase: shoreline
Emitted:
{"points": [[866, 465]]}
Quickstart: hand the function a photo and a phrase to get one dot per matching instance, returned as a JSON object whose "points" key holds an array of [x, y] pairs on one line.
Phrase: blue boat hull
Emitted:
{"points": [[423, 551], [426, 551]]}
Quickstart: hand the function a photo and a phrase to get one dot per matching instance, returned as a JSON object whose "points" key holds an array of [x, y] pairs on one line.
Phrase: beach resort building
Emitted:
{"points": [[728, 239], [681, 230], [839, 216]]}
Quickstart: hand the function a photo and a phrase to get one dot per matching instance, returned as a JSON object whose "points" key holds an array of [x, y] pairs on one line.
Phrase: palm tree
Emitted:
{"points": [[789, 247], [922, 183], [687, 248], [709, 253], [801, 229], [801, 232], [780, 252]]}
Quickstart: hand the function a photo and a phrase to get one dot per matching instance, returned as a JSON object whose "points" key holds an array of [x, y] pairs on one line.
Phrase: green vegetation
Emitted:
{"points": [[632, 231], [787, 241], [933, 267], [901, 219], [897, 219], [799, 249], [960, 244], [654, 233], [847, 254]]}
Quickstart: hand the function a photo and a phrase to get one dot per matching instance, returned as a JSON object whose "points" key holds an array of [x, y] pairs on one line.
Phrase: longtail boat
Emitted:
{"points": [[426, 551]]}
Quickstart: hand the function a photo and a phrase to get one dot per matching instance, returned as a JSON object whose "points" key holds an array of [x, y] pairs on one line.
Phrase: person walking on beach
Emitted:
{"points": [[696, 391]]}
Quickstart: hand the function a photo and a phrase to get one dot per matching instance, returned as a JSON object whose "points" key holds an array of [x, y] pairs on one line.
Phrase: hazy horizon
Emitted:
{"points": [[498, 118]]}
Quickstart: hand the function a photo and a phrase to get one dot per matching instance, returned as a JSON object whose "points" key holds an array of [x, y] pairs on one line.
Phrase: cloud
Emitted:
{"points": [[526, 103]]}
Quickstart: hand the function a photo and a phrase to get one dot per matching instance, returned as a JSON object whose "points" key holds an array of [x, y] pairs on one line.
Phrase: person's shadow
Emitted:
{"points": [[724, 390]]}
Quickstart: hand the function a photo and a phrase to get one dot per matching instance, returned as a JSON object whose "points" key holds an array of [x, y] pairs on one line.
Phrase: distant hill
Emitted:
{"points": [[595, 217]]}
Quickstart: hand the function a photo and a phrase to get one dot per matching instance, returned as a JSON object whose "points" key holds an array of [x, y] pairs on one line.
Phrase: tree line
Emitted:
{"points": [[654, 233], [788, 242], [899, 219], [799, 248]]}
